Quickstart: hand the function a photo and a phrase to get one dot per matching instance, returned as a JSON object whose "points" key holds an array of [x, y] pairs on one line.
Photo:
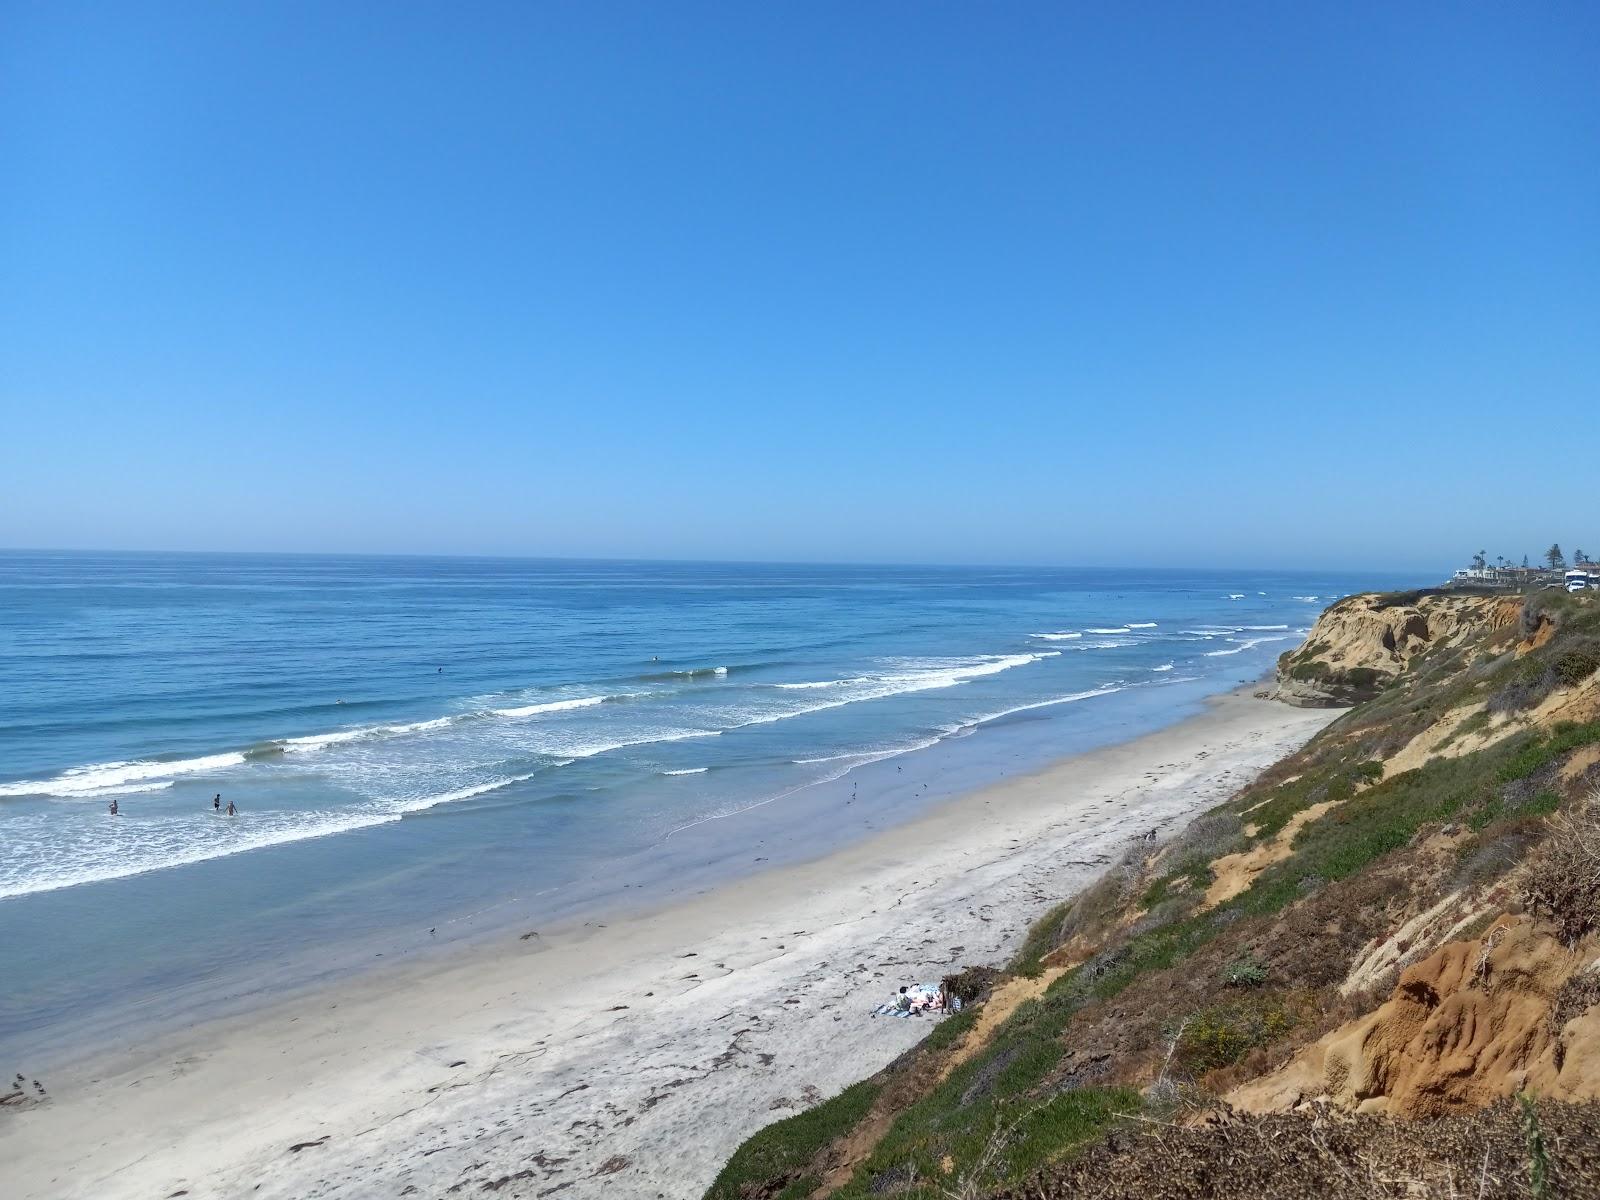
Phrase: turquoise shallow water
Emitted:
{"points": [[416, 743]]}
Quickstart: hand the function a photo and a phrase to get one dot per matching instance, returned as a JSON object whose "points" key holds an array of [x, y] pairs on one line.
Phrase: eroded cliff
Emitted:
{"points": [[1361, 644]]}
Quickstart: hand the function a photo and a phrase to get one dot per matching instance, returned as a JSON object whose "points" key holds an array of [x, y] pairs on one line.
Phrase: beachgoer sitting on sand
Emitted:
{"points": [[898, 1005], [913, 1000], [925, 997]]}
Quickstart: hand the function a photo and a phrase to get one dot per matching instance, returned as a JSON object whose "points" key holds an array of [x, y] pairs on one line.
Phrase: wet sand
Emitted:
{"points": [[623, 1058]]}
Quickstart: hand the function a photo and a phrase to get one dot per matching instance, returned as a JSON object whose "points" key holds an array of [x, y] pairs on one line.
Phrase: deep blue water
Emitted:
{"points": [[413, 741]]}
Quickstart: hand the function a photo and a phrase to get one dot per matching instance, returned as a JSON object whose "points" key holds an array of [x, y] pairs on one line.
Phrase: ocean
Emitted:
{"points": [[427, 750]]}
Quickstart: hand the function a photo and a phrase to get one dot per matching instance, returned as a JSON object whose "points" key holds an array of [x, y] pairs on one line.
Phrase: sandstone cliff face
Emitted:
{"points": [[1474, 1021], [1359, 645]]}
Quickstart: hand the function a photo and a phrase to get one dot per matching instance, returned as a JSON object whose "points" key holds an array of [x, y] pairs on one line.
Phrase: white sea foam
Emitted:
{"points": [[1162, 667], [900, 677], [1235, 595], [1308, 599], [38, 862], [421, 803], [916, 675], [1118, 629], [155, 845], [101, 778], [861, 758], [419, 726], [532, 710], [1057, 637], [322, 741], [1071, 698], [688, 771], [1243, 645], [319, 741], [589, 750], [1141, 624], [125, 789]]}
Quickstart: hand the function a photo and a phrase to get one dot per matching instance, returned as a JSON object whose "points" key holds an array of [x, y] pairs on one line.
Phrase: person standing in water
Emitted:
{"points": [[113, 808], [216, 802], [232, 811]]}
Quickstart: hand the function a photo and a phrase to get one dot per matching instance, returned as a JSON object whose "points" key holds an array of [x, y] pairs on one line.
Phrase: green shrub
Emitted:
{"points": [[1530, 752], [1362, 677], [782, 1151], [1220, 1036], [1194, 874], [1245, 973], [1577, 664], [1044, 935], [1538, 1157]]}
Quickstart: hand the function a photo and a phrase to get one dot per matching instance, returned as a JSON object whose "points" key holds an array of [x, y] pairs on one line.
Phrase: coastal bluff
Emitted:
{"points": [[1361, 644], [1374, 970]]}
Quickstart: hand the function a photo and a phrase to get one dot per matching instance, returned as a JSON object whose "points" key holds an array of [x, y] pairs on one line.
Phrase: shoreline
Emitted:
{"points": [[747, 1000], [258, 964]]}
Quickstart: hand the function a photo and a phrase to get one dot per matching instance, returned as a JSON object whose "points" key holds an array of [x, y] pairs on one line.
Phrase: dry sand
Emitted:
{"points": [[626, 1059]]}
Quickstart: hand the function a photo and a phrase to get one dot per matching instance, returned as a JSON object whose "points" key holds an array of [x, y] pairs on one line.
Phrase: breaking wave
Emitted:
{"points": [[102, 779], [530, 710], [686, 673], [35, 862], [1243, 645]]}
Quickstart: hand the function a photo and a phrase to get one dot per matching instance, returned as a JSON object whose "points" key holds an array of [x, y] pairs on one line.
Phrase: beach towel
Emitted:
{"points": [[915, 1000]]}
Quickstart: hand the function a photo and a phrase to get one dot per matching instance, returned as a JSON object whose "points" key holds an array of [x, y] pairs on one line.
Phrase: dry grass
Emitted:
{"points": [[1561, 882], [1324, 1154]]}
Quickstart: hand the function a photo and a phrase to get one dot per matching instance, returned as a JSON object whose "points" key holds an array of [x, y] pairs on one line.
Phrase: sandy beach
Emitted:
{"points": [[621, 1058]]}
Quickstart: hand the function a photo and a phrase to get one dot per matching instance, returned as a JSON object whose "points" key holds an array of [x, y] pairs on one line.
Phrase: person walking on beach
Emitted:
{"points": [[232, 811], [216, 802]]}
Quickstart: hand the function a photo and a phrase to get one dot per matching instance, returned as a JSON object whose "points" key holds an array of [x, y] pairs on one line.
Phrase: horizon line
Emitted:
{"points": [[670, 561]]}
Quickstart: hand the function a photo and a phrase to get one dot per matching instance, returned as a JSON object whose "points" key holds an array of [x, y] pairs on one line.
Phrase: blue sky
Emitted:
{"points": [[1093, 284]]}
